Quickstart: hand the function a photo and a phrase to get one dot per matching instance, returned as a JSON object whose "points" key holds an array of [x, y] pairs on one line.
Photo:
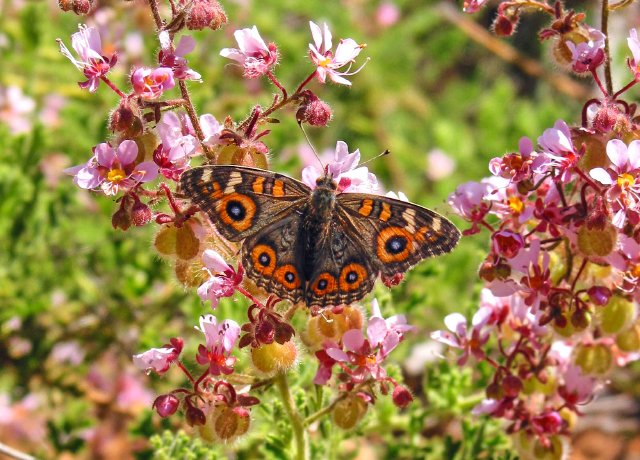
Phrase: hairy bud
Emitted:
{"points": [[79, 7], [205, 13]]}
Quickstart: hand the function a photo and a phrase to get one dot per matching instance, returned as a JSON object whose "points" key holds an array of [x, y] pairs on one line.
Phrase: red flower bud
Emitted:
{"points": [[314, 112], [195, 416], [140, 214], [166, 405], [79, 7], [401, 396], [205, 13], [512, 386]]}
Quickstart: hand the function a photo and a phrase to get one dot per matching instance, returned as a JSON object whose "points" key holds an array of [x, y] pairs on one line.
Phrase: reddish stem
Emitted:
{"points": [[172, 203], [306, 81], [184, 369], [249, 296], [113, 87], [275, 81]]}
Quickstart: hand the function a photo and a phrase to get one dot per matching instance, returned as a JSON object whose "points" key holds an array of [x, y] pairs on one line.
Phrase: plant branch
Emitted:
{"points": [[297, 423], [607, 56], [13, 453]]}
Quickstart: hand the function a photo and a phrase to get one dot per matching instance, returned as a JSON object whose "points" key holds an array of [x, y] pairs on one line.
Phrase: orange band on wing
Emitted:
{"points": [[258, 185], [366, 208], [278, 188], [385, 213]]}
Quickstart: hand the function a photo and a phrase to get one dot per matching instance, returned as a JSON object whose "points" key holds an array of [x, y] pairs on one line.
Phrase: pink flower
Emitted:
{"points": [[151, 83], [622, 177], [587, 56], [177, 147], [634, 46], [252, 53], [159, 359], [15, 109], [326, 364], [220, 340], [329, 64], [458, 336], [175, 60], [577, 388], [361, 357], [439, 165], [345, 172], [223, 280], [91, 62], [211, 129], [112, 169], [558, 151], [387, 14], [515, 166], [386, 332], [471, 6]]}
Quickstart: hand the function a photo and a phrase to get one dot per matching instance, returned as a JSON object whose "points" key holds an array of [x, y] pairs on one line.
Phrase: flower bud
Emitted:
{"points": [[190, 273], [126, 119], [581, 319], [597, 242], [225, 424], [165, 240], [265, 332], [599, 295], [553, 450], [140, 214], [79, 7], [507, 243], [274, 357], [503, 26], [512, 386], [494, 391], [349, 411], [187, 244], [331, 326], [195, 416], [593, 359], [314, 112], [205, 13], [629, 340], [166, 405], [401, 397], [122, 217], [616, 315]]}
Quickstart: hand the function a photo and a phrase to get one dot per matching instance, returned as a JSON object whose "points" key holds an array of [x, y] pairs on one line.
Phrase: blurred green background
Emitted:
{"points": [[78, 298]]}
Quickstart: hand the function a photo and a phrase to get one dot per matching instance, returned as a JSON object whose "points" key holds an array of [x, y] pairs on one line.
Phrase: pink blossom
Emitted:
{"points": [[16, 109], [634, 46], [211, 129], [223, 278], [557, 151], [587, 56], [113, 169], [151, 83], [361, 355], [577, 388], [387, 14], [387, 333], [175, 60], [471, 6], [326, 363], [255, 56], [439, 165], [621, 177], [174, 153], [329, 64], [91, 62], [159, 359], [345, 171], [220, 340], [515, 166], [457, 336]]}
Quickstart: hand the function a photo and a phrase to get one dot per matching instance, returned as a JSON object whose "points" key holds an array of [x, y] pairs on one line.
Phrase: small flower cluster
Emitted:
{"points": [[559, 309]]}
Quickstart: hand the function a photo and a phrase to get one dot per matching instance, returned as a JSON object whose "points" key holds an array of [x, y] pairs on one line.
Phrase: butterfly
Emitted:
{"points": [[320, 246]]}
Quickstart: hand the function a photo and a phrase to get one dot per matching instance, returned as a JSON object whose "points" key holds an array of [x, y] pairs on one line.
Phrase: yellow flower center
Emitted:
{"points": [[116, 175], [626, 180], [635, 271], [325, 62], [516, 204]]}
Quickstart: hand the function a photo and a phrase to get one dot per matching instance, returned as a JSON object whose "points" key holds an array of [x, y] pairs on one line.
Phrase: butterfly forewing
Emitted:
{"points": [[241, 201], [397, 234]]}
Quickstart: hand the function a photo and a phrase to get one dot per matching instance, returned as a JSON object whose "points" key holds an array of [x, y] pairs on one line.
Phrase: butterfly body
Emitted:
{"points": [[319, 246]]}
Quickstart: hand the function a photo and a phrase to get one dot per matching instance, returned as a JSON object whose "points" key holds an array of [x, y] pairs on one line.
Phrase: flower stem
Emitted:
{"points": [[297, 423], [607, 55], [10, 452]]}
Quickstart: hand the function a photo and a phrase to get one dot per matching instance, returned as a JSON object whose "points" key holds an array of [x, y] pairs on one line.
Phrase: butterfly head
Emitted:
{"points": [[326, 181]]}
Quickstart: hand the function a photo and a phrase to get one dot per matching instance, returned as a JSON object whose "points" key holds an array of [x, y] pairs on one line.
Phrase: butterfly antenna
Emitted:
{"points": [[385, 153], [311, 145]]}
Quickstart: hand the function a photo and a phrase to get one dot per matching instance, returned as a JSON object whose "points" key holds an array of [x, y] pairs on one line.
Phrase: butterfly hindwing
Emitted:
{"points": [[241, 201], [273, 258], [398, 234], [343, 271]]}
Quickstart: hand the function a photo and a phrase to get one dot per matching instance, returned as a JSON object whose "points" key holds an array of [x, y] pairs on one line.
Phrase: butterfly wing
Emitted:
{"points": [[241, 201], [273, 258], [397, 234], [343, 271]]}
